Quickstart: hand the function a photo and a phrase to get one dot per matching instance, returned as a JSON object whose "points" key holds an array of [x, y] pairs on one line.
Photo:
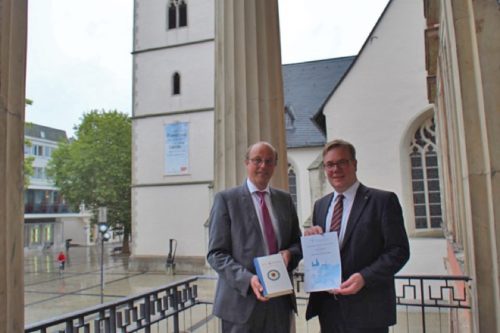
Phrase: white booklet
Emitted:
{"points": [[322, 268], [273, 275]]}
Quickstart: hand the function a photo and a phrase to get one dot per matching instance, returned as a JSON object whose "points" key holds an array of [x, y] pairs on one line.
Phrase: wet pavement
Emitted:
{"points": [[50, 292]]}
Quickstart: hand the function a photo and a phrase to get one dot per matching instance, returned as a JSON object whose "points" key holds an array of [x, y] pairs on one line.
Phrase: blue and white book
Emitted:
{"points": [[273, 275], [322, 267]]}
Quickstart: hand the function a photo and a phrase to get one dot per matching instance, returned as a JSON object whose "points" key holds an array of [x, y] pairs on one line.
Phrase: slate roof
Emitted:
{"points": [[44, 132], [307, 85]]}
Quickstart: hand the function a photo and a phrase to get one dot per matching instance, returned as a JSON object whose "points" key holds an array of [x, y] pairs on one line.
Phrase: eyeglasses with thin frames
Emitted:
{"points": [[339, 164], [259, 161]]}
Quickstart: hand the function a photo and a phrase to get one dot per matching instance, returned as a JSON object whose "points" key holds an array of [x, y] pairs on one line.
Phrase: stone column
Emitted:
{"points": [[248, 88], [13, 29], [476, 26]]}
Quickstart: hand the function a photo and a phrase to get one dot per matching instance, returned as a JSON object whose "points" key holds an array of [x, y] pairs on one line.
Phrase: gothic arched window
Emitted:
{"points": [[425, 177], [292, 183]]}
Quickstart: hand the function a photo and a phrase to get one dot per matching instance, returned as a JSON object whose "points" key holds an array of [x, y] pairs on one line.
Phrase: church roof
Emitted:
{"points": [[307, 85]]}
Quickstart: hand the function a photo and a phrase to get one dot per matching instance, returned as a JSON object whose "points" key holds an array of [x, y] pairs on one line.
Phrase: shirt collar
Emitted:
{"points": [[349, 193], [252, 188]]}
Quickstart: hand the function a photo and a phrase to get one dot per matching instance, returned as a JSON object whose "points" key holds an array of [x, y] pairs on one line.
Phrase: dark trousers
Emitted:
{"points": [[332, 321], [273, 316]]}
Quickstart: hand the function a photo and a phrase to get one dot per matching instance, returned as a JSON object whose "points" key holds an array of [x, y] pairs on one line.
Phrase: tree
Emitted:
{"points": [[95, 167], [28, 160], [29, 171]]}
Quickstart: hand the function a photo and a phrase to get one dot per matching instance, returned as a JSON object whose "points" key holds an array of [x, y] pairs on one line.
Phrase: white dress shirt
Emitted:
{"points": [[256, 202], [349, 195]]}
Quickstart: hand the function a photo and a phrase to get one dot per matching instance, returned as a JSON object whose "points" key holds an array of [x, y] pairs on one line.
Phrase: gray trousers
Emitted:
{"points": [[273, 316]]}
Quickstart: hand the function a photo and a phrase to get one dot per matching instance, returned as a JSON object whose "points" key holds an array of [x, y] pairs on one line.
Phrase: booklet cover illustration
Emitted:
{"points": [[322, 268]]}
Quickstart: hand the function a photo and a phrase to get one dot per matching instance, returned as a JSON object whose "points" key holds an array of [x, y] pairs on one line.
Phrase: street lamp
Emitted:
{"points": [[103, 228]]}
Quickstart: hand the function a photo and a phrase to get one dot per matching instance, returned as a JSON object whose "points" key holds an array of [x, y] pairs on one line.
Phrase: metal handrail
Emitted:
{"points": [[424, 291], [130, 314], [140, 312]]}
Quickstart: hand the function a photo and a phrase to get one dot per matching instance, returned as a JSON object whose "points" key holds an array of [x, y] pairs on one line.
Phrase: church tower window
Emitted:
{"points": [[177, 14], [176, 84], [172, 16], [182, 13]]}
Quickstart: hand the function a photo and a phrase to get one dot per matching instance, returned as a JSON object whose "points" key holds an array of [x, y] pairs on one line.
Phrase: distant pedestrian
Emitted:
{"points": [[61, 258]]}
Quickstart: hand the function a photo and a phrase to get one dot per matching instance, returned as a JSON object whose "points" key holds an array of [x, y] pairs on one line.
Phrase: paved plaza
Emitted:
{"points": [[50, 293]]}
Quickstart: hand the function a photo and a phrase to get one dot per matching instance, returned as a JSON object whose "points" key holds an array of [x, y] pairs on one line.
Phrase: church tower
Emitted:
{"points": [[173, 127]]}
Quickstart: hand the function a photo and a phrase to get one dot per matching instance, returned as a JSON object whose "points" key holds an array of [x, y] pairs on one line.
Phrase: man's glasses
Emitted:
{"points": [[339, 164], [259, 161]]}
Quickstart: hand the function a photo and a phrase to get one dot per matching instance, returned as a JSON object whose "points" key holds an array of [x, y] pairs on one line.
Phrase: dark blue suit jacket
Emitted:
{"points": [[376, 245]]}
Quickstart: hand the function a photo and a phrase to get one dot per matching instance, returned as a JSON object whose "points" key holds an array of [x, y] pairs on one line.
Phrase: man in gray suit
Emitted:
{"points": [[239, 232], [373, 247]]}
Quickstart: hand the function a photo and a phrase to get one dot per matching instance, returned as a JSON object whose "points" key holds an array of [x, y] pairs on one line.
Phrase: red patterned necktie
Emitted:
{"points": [[337, 214], [268, 224]]}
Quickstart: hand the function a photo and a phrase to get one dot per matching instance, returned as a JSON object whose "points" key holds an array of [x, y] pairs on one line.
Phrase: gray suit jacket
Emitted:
{"points": [[236, 239]]}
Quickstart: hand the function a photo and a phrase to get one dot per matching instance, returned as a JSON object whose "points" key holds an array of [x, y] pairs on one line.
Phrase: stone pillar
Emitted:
{"points": [[248, 88], [13, 29], [476, 26]]}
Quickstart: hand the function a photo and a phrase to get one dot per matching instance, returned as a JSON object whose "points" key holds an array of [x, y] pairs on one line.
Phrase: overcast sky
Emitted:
{"points": [[79, 51]]}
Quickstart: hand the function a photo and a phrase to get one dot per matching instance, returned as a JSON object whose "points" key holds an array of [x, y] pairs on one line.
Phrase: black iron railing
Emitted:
{"points": [[163, 308], [422, 296], [431, 296]]}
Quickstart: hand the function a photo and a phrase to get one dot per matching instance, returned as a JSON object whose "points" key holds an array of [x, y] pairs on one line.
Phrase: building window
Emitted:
{"points": [[182, 14], [35, 234], [177, 14], [292, 184], [39, 173], [37, 150], [425, 177], [289, 117], [172, 15], [176, 84]]}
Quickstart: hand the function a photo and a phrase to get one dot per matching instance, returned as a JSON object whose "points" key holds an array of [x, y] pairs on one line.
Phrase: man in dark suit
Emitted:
{"points": [[373, 248], [240, 231]]}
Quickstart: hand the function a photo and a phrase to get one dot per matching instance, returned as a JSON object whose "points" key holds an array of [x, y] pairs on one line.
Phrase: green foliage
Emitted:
{"points": [[28, 170], [95, 166]]}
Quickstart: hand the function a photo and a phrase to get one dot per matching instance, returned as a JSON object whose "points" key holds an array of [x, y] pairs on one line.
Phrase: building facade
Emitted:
{"points": [[462, 52], [172, 126], [174, 81], [48, 219], [381, 107]]}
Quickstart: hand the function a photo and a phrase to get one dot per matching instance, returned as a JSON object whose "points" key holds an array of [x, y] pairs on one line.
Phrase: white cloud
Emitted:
{"points": [[79, 58], [79, 51], [320, 29]]}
